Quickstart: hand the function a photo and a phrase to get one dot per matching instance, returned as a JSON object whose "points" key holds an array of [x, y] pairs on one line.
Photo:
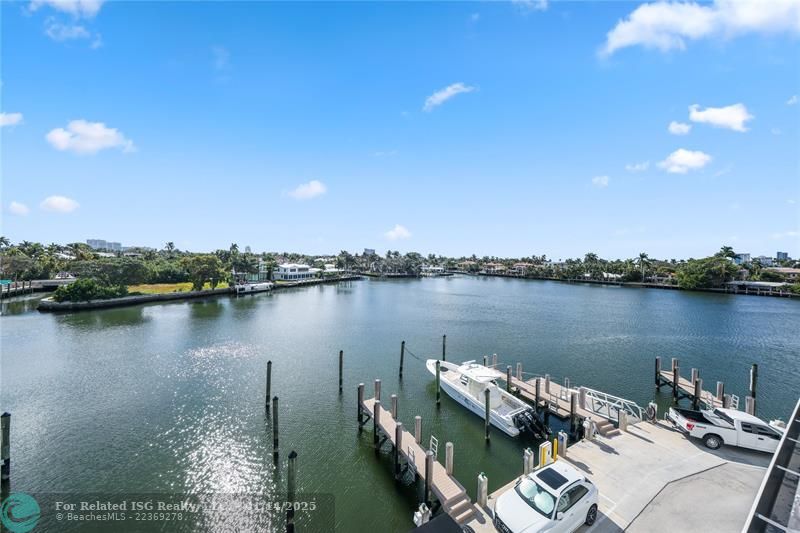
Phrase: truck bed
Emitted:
{"points": [[694, 416]]}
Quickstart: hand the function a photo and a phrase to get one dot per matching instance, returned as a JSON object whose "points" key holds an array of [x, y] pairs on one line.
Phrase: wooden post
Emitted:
{"points": [[547, 383], [444, 347], [698, 390], [438, 383], [573, 400], [377, 390], [750, 405], [753, 380], [418, 429], [676, 376], [508, 378], [428, 476], [488, 413], [394, 406], [695, 375], [483, 489], [674, 363], [269, 383], [519, 371], [398, 439], [485, 360], [720, 391], [494, 360], [448, 458], [726, 401], [341, 365], [5, 447], [275, 430], [658, 372], [402, 355], [582, 397], [360, 400], [376, 422], [538, 392], [291, 479]]}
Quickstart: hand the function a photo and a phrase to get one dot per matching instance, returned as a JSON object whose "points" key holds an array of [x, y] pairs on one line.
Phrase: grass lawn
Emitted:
{"points": [[159, 288]]}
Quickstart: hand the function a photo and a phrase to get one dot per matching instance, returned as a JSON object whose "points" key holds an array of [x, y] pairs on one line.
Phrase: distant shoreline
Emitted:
{"points": [[640, 285], [50, 305]]}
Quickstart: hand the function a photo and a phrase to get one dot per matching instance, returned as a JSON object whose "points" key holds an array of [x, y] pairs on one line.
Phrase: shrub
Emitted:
{"points": [[85, 289]]}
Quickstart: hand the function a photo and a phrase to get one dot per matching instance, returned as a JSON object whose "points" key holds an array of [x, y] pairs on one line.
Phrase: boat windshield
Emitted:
{"points": [[537, 497]]}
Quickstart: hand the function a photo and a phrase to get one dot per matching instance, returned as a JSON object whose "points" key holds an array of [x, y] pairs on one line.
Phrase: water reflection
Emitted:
{"points": [[20, 305], [108, 318], [206, 309]]}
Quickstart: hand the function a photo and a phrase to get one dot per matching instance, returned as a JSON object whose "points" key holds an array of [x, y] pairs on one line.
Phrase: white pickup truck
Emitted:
{"points": [[726, 426]]}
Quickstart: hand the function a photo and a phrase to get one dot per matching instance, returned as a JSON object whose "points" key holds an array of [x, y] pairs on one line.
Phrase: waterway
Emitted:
{"points": [[169, 398]]}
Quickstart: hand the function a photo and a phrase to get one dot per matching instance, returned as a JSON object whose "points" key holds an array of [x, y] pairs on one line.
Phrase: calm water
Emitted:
{"points": [[170, 398]]}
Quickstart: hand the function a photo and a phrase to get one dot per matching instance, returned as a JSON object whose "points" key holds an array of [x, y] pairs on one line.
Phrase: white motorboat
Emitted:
{"points": [[245, 287], [466, 384]]}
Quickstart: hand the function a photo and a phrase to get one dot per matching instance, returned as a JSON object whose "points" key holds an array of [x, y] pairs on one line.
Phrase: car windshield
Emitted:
{"points": [[536, 496]]}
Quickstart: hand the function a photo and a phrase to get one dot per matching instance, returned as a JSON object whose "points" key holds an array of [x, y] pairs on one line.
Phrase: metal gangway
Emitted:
{"points": [[609, 406]]}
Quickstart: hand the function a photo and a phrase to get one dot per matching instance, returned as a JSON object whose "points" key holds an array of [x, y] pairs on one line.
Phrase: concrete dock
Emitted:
{"points": [[653, 478]]}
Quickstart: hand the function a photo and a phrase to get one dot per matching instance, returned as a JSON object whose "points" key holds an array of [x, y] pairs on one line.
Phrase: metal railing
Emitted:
{"points": [[609, 406]]}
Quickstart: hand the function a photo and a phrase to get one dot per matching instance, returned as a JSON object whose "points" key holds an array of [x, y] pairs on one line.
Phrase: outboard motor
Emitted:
{"points": [[528, 422]]}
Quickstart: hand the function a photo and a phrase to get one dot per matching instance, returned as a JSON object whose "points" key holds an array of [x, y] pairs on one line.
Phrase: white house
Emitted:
{"points": [[294, 272]]}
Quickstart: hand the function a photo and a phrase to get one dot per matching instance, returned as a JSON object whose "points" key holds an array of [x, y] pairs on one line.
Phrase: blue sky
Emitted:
{"points": [[502, 129]]}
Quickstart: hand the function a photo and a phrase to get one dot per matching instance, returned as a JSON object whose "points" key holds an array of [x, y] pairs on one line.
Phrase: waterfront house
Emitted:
{"points": [[757, 287], [494, 268], [522, 269], [294, 272], [791, 274]]}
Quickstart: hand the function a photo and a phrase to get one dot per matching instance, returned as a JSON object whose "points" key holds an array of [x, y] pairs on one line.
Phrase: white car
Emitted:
{"points": [[556, 499]]}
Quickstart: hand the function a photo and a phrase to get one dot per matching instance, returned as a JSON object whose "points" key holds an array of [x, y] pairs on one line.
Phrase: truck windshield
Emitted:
{"points": [[536, 496]]}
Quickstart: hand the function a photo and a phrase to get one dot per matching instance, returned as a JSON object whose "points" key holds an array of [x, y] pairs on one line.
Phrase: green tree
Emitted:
{"points": [[643, 261], [203, 268]]}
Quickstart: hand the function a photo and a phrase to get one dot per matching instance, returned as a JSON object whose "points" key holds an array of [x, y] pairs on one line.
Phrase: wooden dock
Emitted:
{"points": [[450, 493], [686, 389], [558, 402], [693, 388]]}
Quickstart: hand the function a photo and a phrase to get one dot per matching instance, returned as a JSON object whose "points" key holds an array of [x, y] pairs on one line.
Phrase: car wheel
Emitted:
{"points": [[712, 442], [591, 516]]}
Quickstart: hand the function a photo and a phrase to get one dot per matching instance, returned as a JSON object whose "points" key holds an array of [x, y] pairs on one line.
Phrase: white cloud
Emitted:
{"points": [[668, 26], [397, 232], [679, 128], [59, 204], [65, 32], [443, 95], [791, 234], [732, 117], [638, 167], [84, 137], [10, 119], [531, 5], [17, 208], [221, 57], [77, 8], [309, 190], [600, 181], [681, 161], [792, 100]]}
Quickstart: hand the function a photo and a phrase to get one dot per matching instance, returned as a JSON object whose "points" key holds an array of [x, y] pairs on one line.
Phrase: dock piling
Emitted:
{"points": [[538, 392], [750, 405], [563, 440], [676, 376], [418, 429], [448, 458], [269, 383], [547, 383], [573, 411], [402, 356], [488, 411], [360, 396], [5, 447], [341, 366], [674, 363], [753, 380], [582, 397], [483, 489], [526, 461], [720, 391], [290, 492], [519, 371], [394, 406], [494, 360], [485, 360], [428, 476], [726, 401], [275, 430], [695, 375], [698, 391], [376, 422], [438, 383], [377, 389], [508, 378], [444, 347], [398, 438], [658, 372]]}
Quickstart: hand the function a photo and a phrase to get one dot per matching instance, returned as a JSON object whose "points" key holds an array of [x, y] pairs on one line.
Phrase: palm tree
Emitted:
{"points": [[5, 242], [643, 260], [726, 251]]}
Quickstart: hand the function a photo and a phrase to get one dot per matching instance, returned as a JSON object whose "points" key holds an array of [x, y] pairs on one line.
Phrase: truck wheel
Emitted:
{"points": [[591, 516], [712, 442]]}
